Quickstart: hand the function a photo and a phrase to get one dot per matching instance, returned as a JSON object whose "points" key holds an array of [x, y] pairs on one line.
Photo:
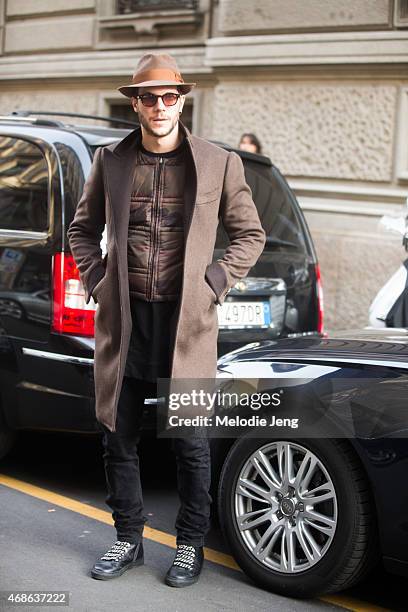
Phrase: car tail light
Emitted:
{"points": [[319, 290], [71, 315]]}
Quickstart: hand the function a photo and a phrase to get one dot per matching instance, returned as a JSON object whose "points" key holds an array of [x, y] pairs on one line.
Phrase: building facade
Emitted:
{"points": [[323, 84]]}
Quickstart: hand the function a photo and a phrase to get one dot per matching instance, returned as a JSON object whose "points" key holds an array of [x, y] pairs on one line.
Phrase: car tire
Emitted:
{"points": [[349, 548]]}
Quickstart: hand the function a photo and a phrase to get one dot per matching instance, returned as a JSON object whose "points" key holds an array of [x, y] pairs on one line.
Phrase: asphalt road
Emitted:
{"points": [[54, 524]]}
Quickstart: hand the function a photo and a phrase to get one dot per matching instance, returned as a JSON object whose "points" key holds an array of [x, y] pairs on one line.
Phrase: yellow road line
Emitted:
{"points": [[105, 517], [161, 537], [349, 603]]}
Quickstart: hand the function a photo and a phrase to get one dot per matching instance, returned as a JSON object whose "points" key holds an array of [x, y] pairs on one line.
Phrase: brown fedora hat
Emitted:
{"points": [[156, 71]]}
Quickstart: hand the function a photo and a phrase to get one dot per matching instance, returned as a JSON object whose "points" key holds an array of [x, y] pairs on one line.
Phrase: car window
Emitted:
{"points": [[72, 175], [276, 207], [23, 185]]}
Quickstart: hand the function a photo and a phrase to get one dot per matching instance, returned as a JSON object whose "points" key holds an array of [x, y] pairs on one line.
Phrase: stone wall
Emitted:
{"points": [[336, 133], [331, 130], [237, 16], [58, 99], [356, 258], [40, 25]]}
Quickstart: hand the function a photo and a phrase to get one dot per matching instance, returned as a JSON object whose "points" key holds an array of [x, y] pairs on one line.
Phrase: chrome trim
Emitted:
{"points": [[57, 356], [334, 360], [153, 401], [43, 389], [257, 284], [22, 233], [26, 119]]}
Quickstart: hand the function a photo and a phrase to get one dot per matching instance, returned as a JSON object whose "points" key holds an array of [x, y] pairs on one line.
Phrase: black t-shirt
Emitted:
{"points": [[149, 349]]}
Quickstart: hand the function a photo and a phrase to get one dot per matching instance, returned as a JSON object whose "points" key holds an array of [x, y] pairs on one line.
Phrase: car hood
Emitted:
{"points": [[368, 344]]}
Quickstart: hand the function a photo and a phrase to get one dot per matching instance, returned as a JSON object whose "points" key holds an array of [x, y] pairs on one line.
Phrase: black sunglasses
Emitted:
{"points": [[150, 99]]}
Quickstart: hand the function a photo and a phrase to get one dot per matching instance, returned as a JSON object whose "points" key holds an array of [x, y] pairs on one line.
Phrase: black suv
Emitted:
{"points": [[46, 329]]}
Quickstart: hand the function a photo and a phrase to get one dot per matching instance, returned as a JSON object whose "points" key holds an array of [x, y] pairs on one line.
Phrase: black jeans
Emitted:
{"points": [[122, 472]]}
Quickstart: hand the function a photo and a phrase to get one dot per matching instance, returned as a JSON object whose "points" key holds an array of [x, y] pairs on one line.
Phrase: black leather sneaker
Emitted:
{"points": [[119, 558], [187, 566]]}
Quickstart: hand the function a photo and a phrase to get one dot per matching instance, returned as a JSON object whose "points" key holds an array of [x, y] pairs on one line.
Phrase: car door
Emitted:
{"points": [[30, 222]]}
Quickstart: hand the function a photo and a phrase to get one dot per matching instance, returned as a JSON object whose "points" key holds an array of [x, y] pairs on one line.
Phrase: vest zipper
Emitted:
{"points": [[155, 227]]}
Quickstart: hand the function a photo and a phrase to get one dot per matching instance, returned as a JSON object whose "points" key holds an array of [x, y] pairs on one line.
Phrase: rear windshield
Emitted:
{"points": [[73, 176], [277, 209]]}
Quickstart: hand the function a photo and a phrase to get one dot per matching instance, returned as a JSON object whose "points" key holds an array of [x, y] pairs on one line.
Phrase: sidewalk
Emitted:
{"points": [[48, 548]]}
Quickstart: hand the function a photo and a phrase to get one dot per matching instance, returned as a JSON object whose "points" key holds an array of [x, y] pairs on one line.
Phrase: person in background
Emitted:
{"points": [[249, 142]]}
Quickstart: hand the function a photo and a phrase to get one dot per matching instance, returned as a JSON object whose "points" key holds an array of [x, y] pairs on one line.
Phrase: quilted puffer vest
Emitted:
{"points": [[155, 236]]}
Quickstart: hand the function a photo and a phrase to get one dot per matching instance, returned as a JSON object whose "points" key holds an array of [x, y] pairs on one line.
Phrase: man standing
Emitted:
{"points": [[161, 192]]}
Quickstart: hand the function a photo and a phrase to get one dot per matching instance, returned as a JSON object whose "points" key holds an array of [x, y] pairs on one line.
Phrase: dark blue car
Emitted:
{"points": [[310, 509]]}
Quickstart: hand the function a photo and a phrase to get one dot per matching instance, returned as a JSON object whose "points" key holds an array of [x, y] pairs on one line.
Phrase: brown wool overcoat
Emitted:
{"points": [[215, 188]]}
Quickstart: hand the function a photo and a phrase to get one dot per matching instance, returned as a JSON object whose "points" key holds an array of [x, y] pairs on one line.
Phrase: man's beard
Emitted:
{"points": [[151, 131]]}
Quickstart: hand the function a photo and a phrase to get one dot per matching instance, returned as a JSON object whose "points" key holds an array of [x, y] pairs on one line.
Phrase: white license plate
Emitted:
{"points": [[244, 314]]}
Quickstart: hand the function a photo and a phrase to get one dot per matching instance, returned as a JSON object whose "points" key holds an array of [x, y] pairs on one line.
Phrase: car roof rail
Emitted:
{"points": [[27, 118], [28, 113]]}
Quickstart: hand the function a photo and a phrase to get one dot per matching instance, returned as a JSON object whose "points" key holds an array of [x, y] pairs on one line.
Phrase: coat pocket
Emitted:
{"points": [[209, 197], [216, 279], [99, 285], [97, 289], [210, 292]]}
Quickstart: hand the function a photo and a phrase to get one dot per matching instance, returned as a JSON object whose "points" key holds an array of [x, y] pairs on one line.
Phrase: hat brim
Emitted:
{"points": [[131, 90]]}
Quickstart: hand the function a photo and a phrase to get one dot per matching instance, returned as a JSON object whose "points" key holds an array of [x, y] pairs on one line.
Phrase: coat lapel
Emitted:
{"points": [[190, 191], [120, 163]]}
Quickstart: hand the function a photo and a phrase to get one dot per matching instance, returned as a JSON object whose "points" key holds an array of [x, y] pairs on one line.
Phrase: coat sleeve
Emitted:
{"points": [[85, 230], [240, 218]]}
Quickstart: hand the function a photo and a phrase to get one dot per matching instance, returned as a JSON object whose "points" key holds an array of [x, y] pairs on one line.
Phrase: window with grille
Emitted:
{"points": [[124, 7], [401, 13]]}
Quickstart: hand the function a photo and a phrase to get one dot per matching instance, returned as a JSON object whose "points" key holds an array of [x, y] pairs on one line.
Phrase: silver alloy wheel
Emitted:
{"points": [[286, 507]]}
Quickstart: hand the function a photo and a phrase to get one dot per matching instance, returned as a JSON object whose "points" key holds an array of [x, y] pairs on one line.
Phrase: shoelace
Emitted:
{"points": [[117, 551], [185, 556]]}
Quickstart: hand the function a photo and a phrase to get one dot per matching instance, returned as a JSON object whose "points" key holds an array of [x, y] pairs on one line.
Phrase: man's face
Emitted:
{"points": [[158, 120]]}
